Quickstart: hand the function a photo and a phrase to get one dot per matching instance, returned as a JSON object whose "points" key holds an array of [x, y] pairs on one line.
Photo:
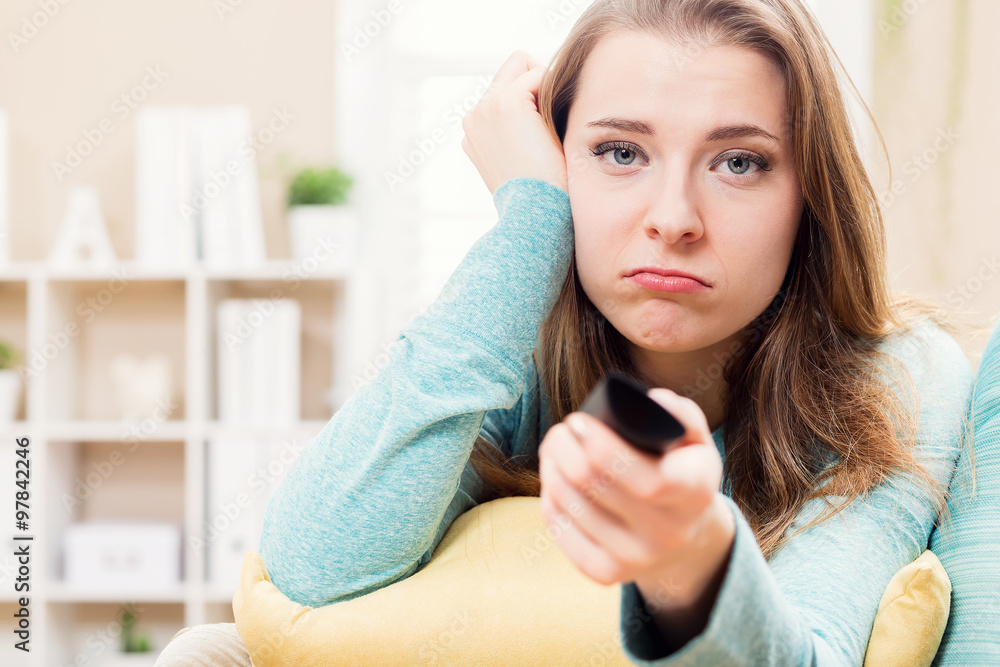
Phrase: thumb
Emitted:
{"points": [[686, 411]]}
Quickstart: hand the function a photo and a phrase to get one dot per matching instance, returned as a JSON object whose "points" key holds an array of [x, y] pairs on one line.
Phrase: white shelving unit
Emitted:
{"points": [[68, 413]]}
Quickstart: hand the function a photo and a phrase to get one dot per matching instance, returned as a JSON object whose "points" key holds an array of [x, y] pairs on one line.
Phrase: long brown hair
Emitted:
{"points": [[810, 408]]}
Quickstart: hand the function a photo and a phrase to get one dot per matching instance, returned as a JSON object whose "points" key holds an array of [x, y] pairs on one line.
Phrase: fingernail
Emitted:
{"points": [[577, 425]]}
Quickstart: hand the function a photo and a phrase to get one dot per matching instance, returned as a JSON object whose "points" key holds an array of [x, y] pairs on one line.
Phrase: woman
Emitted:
{"points": [[684, 202]]}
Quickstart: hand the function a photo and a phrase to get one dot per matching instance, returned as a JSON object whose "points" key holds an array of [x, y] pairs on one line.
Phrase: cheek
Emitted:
{"points": [[759, 248], [603, 215], [785, 224], [588, 238], [602, 227], [593, 258]]}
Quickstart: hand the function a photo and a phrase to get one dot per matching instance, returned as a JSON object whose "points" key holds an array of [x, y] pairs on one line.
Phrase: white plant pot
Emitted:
{"points": [[10, 392], [326, 234]]}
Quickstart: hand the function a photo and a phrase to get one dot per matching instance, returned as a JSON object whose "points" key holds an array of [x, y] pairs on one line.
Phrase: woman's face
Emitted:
{"points": [[694, 174]]}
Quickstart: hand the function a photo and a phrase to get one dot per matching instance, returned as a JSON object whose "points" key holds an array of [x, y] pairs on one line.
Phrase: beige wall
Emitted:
{"points": [[65, 79], [937, 76]]}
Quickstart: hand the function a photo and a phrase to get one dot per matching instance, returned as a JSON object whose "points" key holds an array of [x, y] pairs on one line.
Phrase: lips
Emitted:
{"points": [[669, 273]]}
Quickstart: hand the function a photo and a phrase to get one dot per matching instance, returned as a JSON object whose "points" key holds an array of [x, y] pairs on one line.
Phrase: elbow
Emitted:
{"points": [[297, 580], [294, 571]]}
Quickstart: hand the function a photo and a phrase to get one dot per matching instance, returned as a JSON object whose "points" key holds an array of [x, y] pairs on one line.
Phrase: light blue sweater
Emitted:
{"points": [[371, 495]]}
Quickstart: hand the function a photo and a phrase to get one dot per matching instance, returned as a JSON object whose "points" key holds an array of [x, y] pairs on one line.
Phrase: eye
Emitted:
{"points": [[623, 152], [740, 163]]}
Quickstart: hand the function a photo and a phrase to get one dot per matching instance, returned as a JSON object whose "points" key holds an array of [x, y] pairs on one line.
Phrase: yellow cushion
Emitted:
{"points": [[498, 591], [911, 616]]}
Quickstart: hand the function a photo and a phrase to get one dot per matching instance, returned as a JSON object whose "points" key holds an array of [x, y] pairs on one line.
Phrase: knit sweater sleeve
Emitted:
{"points": [[814, 602], [371, 495]]}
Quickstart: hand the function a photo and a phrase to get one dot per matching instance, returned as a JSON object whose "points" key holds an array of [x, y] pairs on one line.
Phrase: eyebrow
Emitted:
{"points": [[624, 124], [725, 133], [738, 132]]}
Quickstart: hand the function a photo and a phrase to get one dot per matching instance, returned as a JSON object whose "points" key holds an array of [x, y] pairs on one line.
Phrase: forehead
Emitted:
{"points": [[648, 77]]}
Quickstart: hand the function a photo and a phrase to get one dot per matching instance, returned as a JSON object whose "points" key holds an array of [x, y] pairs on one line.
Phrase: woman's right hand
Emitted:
{"points": [[505, 135]]}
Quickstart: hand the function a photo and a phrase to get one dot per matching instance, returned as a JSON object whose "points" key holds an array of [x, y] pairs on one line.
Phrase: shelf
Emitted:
{"points": [[169, 431], [104, 431], [270, 270], [281, 270], [60, 591], [105, 341], [91, 630], [18, 428], [103, 345], [41, 270], [319, 304], [215, 594], [216, 430], [17, 270], [14, 325]]}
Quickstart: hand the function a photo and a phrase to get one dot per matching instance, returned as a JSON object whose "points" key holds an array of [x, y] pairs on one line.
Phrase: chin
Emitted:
{"points": [[661, 342]]}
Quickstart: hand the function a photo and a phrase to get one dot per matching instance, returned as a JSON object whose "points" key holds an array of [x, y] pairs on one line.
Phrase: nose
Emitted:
{"points": [[674, 213]]}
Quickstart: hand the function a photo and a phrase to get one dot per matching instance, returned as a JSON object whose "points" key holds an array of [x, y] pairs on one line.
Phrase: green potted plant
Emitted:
{"points": [[319, 214], [135, 649], [10, 383]]}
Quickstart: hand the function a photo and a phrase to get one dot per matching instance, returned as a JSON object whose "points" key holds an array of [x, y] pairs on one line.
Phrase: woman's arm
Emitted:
{"points": [[815, 601], [372, 494]]}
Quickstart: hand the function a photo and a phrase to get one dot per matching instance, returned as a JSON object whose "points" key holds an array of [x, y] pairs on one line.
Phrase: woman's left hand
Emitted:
{"points": [[623, 515]]}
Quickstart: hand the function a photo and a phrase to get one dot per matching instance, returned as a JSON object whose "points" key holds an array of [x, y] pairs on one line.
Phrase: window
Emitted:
{"points": [[406, 73]]}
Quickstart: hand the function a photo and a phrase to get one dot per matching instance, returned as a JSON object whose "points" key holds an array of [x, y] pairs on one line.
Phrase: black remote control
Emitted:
{"points": [[621, 402]]}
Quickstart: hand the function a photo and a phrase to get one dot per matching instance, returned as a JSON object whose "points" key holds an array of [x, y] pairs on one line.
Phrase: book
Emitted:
{"points": [[197, 193], [259, 354], [5, 253]]}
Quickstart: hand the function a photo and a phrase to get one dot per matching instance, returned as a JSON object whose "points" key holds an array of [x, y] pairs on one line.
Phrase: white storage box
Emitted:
{"points": [[127, 556]]}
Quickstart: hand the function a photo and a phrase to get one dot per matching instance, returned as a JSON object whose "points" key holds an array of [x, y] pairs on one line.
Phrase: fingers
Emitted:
{"points": [[641, 490], [600, 525], [561, 446], [589, 533], [517, 64], [530, 82], [506, 136], [686, 476], [700, 462], [562, 464], [601, 466], [616, 463]]}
